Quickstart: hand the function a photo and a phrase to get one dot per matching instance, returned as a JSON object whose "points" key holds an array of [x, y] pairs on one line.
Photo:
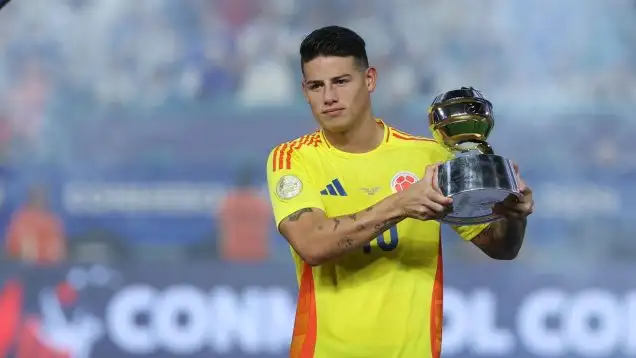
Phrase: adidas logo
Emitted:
{"points": [[335, 189]]}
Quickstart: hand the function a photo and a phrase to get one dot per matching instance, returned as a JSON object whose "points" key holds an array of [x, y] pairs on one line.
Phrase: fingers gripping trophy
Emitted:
{"points": [[476, 179]]}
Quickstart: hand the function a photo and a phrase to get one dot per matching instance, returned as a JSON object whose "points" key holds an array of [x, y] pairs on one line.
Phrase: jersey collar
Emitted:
{"points": [[386, 138]]}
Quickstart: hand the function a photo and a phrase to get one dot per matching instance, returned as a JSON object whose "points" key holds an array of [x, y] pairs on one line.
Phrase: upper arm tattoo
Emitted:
{"points": [[336, 223], [500, 239], [295, 216], [485, 236]]}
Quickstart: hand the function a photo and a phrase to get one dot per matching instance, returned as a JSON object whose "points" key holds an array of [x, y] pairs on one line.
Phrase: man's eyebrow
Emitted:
{"points": [[332, 79], [341, 77], [314, 82]]}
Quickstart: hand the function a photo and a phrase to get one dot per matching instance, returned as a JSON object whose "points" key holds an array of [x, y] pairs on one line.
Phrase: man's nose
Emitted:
{"points": [[330, 96]]}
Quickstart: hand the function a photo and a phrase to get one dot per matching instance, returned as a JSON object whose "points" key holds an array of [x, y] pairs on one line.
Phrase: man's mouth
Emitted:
{"points": [[333, 111]]}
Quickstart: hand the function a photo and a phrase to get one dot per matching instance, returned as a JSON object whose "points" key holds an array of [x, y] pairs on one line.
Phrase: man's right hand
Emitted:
{"points": [[424, 200]]}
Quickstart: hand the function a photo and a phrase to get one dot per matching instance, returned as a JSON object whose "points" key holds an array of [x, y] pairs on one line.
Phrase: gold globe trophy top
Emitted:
{"points": [[462, 120]]}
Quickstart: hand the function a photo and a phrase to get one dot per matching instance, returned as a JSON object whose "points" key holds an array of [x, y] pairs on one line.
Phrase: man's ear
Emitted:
{"points": [[371, 78]]}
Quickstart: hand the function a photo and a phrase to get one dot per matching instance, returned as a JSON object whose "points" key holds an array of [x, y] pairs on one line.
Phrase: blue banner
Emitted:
{"points": [[220, 310]]}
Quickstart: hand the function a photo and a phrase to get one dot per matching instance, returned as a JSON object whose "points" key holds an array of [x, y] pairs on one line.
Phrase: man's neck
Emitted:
{"points": [[363, 137]]}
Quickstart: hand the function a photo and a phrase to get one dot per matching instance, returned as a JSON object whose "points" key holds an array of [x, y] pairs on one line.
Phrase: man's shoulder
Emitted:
{"points": [[305, 143], [303, 146], [401, 137], [425, 145]]}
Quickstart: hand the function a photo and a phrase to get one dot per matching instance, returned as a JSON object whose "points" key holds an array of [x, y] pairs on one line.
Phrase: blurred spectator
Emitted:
{"points": [[5, 139], [28, 99], [211, 69], [244, 220], [266, 45], [35, 234]]}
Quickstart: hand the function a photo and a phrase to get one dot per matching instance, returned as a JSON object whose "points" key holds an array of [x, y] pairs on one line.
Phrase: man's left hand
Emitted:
{"points": [[516, 207]]}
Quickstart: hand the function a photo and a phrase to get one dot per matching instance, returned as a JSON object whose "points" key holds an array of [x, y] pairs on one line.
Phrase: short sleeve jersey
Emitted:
{"points": [[384, 301]]}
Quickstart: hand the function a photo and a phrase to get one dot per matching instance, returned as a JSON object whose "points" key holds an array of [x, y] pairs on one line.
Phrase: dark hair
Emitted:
{"points": [[334, 41]]}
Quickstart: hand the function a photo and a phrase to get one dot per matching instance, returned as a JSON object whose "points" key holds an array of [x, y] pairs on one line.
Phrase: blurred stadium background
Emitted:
{"points": [[133, 141]]}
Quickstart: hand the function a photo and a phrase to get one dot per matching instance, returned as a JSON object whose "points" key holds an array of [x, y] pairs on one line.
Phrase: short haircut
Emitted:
{"points": [[334, 41]]}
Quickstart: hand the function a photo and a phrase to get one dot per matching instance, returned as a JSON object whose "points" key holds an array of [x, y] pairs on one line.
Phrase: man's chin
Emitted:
{"points": [[336, 124]]}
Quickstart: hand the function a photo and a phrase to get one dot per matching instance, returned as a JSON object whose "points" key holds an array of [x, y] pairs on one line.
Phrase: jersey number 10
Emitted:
{"points": [[382, 243]]}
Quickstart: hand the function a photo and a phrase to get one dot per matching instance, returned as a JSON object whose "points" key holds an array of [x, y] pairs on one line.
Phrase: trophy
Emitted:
{"points": [[476, 179]]}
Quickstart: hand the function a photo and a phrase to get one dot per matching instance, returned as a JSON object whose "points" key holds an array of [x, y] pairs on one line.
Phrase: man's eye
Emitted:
{"points": [[341, 81]]}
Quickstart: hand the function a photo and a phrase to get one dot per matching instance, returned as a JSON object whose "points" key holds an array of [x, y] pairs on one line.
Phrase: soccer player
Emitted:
{"points": [[358, 203]]}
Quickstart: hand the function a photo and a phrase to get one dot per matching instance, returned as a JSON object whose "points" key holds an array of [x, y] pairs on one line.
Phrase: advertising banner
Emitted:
{"points": [[220, 310]]}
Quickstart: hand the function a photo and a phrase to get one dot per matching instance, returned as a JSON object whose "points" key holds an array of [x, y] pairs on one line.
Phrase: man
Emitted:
{"points": [[35, 233], [244, 219], [366, 243]]}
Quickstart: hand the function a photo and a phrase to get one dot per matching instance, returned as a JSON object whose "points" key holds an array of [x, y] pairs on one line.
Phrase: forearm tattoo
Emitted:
{"points": [[382, 227], [346, 243]]}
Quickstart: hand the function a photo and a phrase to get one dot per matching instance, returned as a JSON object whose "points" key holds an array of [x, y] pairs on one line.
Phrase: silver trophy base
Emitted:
{"points": [[476, 182]]}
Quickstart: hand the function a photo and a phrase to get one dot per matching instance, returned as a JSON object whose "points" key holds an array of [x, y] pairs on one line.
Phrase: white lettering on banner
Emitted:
{"points": [[174, 198], [630, 327], [456, 315], [489, 339], [183, 320], [531, 322], [185, 338], [470, 321], [584, 308], [252, 323], [120, 319], [548, 323], [591, 323]]}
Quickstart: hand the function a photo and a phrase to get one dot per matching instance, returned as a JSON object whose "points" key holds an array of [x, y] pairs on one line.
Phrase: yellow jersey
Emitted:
{"points": [[384, 301]]}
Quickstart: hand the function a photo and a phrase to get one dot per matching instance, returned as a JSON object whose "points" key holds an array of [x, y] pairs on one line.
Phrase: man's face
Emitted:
{"points": [[338, 91]]}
